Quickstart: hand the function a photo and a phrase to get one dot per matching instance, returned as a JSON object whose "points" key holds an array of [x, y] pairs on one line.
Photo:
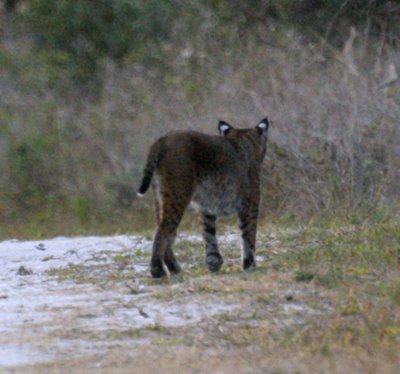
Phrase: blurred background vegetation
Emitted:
{"points": [[87, 86]]}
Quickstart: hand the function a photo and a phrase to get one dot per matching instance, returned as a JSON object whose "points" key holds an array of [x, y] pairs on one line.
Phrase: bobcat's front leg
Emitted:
{"points": [[214, 259], [248, 225]]}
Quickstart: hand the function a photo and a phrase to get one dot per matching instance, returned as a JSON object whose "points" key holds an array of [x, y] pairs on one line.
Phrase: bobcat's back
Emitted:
{"points": [[217, 171]]}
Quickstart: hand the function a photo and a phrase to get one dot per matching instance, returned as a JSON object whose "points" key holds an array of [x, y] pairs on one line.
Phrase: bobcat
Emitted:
{"points": [[219, 175]]}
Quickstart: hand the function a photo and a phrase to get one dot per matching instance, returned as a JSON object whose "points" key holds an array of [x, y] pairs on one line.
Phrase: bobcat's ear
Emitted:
{"points": [[262, 127], [224, 128]]}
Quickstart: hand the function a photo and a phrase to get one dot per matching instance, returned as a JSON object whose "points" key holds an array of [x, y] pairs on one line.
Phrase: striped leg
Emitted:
{"points": [[248, 226], [214, 259]]}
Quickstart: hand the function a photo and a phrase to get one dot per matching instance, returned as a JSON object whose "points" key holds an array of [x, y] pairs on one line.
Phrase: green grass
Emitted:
{"points": [[357, 266], [346, 255]]}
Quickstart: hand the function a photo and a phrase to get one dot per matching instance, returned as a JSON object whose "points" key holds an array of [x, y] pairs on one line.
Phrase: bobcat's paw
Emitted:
{"points": [[214, 262], [158, 272], [249, 262], [173, 267]]}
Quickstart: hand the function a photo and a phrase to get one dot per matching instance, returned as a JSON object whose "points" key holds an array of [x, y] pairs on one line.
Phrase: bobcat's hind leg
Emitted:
{"points": [[173, 207], [170, 260], [214, 259], [162, 249]]}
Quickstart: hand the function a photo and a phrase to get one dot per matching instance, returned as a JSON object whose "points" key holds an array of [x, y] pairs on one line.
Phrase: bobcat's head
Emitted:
{"points": [[257, 135]]}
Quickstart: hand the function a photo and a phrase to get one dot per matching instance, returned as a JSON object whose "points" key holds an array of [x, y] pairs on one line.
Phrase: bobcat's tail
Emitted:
{"points": [[151, 164]]}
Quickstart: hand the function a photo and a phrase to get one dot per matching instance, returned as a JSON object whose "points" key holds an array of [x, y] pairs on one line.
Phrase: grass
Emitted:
{"points": [[358, 266], [37, 225], [343, 256]]}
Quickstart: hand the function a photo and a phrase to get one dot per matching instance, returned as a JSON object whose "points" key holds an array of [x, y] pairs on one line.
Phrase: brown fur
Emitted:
{"points": [[220, 175]]}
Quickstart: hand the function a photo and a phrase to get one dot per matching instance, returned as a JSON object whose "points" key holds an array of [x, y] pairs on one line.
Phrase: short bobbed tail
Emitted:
{"points": [[145, 184]]}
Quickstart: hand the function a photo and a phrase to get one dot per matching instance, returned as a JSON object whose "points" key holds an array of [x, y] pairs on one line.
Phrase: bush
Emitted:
{"points": [[87, 32]]}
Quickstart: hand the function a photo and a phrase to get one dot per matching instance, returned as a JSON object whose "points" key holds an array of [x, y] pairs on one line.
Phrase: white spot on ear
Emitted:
{"points": [[140, 194], [262, 125], [224, 128]]}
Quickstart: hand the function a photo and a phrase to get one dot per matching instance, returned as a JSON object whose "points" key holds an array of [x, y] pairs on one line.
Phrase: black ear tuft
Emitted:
{"points": [[262, 127], [224, 128]]}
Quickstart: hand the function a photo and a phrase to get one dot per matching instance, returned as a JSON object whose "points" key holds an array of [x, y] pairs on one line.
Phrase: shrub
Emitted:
{"points": [[87, 32]]}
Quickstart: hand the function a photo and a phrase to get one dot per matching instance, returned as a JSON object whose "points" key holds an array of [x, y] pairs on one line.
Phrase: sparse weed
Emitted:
{"points": [[303, 276]]}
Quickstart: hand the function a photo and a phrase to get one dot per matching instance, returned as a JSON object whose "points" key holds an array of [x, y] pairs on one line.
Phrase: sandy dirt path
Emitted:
{"points": [[55, 294], [89, 303]]}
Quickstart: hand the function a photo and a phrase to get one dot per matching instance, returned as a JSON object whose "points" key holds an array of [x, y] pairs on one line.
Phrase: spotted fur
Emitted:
{"points": [[218, 175]]}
